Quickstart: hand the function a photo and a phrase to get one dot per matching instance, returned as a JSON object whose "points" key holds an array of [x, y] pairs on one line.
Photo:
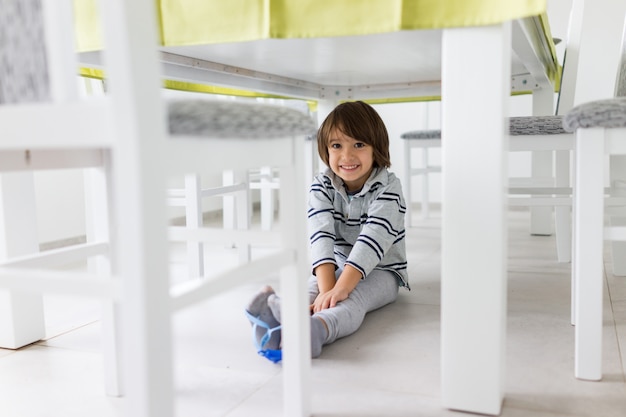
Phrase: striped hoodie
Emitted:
{"points": [[365, 230]]}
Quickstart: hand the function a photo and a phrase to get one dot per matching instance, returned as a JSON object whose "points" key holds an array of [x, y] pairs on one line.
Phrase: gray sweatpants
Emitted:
{"points": [[378, 289]]}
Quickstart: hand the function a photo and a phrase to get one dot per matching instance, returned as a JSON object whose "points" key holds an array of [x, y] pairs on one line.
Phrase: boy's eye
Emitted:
{"points": [[359, 145], [335, 145]]}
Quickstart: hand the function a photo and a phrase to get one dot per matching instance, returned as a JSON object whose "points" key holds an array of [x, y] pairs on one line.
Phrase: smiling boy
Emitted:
{"points": [[356, 228]]}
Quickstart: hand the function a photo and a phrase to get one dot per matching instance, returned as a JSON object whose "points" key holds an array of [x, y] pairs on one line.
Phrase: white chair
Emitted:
{"points": [[533, 133], [424, 140], [266, 180], [237, 194], [236, 213], [124, 135], [47, 126], [600, 130]]}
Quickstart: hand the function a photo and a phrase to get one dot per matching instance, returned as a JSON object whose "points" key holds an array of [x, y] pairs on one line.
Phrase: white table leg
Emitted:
{"points": [[588, 248], [21, 314], [474, 233]]}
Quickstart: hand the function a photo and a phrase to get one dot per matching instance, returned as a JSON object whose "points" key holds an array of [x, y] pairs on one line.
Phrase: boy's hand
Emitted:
{"points": [[329, 299], [348, 280]]}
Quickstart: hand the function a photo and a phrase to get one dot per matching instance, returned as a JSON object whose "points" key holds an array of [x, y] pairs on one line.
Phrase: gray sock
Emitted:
{"points": [[318, 330], [259, 308], [318, 336]]}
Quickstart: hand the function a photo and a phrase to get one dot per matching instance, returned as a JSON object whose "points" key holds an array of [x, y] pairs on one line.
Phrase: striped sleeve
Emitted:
{"points": [[321, 222]]}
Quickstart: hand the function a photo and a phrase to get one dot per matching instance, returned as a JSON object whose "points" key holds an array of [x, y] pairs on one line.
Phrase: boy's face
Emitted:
{"points": [[350, 159]]}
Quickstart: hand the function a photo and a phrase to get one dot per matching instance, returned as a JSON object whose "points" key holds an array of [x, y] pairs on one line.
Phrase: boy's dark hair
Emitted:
{"points": [[361, 122]]}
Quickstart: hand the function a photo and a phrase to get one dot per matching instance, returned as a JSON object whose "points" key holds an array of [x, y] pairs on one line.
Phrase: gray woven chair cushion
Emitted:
{"points": [[599, 113], [518, 126], [536, 125], [422, 134], [23, 67], [227, 119]]}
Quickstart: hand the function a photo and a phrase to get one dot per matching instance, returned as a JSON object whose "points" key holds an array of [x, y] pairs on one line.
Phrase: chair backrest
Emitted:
{"points": [[620, 82], [567, 87], [602, 29], [594, 28], [38, 61]]}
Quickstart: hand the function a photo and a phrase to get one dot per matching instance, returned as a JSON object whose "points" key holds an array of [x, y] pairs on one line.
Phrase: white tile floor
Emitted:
{"points": [[389, 368]]}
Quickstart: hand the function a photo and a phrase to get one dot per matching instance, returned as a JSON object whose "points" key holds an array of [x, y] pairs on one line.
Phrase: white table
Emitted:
{"points": [[474, 70]]}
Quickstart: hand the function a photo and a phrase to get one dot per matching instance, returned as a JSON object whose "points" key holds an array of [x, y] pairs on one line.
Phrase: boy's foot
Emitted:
{"points": [[319, 331], [261, 316]]}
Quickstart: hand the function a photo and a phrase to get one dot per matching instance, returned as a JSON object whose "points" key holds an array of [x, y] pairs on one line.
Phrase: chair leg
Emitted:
{"points": [[541, 217], [311, 159], [236, 209], [267, 198], [111, 347], [588, 268], [562, 215], [228, 201], [193, 219], [21, 314], [425, 189], [618, 248], [563, 232], [99, 209], [243, 212], [406, 186], [296, 335], [574, 264]]}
